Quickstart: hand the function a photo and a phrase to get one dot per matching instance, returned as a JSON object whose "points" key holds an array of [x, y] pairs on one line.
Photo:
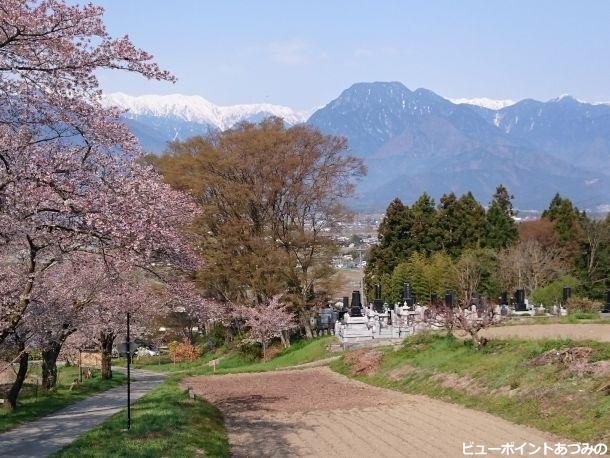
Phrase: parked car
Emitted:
{"points": [[147, 351]]}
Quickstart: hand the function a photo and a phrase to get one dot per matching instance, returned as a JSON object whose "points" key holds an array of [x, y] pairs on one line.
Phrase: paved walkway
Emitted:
{"points": [[42, 437]]}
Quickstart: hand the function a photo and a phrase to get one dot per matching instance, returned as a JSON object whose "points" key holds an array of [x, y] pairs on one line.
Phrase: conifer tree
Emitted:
{"points": [[448, 223], [424, 231], [394, 241], [461, 222], [565, 217], [501, 230]]}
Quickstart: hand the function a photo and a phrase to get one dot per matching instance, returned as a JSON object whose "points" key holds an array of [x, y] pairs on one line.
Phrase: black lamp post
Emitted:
{"points": [[128, 375]]}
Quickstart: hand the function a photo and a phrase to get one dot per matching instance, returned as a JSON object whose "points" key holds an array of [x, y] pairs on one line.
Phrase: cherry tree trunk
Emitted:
{"points": [[49, 365], [285, 338], [106, 341], [13, 393], [304, 319]]}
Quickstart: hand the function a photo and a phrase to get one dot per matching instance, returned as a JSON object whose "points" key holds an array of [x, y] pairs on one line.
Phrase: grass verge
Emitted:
{"points": [[164, 423], [501, 380], [35, 403]]}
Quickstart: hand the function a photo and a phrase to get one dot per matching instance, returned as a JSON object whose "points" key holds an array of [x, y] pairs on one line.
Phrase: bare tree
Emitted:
{"points": [[468, 272], [596, 233], [463, 317], [529, 265]]}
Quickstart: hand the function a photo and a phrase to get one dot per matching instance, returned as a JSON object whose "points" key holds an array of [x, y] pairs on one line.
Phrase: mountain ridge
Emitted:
{"points": [[194, 108], [416, 140]]}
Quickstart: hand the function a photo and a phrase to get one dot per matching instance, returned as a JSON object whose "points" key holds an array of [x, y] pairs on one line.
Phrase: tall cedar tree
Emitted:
{"points": [[425, 236], [394, 245], [565, 217], [501, 230], [270, 196], [461, 223]]}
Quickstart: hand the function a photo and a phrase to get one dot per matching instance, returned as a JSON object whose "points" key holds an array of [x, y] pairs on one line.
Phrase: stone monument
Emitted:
{"points": [[520, 300]]}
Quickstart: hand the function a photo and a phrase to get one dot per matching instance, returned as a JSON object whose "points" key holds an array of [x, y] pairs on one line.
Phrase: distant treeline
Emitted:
{"points": [[459, 245]]}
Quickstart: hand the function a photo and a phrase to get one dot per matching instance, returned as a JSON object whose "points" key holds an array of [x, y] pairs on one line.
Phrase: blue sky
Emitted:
{"points": [[304, 53]]}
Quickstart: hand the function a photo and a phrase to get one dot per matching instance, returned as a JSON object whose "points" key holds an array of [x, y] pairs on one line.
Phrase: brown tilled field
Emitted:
{"points": [[592, 331], [316, 412]]}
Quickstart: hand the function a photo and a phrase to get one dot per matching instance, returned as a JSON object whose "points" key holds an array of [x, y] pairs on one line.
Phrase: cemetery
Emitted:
{"points": [[380, 321]]}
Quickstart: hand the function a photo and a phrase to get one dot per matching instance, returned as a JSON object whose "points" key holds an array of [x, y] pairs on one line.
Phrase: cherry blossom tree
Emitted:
{"points": [[266, 321], [126, 290], [185, 304], [70, 179], [59, 305]]}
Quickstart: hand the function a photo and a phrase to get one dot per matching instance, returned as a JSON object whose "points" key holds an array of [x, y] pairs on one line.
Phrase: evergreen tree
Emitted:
{"points": [[501, 230], [565, 217], [448, 223], [461, 222], [424, 230], [471, 216], [394, 244]]}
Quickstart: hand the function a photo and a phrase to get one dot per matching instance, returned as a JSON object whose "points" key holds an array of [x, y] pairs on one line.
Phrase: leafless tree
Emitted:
{"points": [[529, 265], [462, 317]]}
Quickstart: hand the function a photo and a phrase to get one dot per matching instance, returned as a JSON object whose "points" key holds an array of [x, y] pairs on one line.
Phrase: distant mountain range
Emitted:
{"points": [[157, 119], [415, 141]]}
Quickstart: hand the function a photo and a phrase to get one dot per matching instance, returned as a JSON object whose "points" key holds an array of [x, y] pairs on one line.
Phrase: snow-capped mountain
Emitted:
{"points": [[415, 141], [492, 104], [196, 109]]}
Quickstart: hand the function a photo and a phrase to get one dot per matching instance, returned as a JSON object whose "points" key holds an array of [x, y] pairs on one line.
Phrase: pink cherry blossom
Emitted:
{"points": [[71, 179]]}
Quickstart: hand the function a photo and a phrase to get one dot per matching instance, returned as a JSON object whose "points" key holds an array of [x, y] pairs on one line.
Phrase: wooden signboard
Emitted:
{"points": [[91, 358], [213, 363]]}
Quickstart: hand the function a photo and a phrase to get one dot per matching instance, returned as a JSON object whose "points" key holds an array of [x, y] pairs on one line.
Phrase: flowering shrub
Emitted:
{"points": [[183, 351]]}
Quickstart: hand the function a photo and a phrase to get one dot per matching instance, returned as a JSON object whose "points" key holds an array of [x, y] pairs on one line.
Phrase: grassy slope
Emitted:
{"points": [[47, 402], [166, 423], [300, 352], [498, 380]]}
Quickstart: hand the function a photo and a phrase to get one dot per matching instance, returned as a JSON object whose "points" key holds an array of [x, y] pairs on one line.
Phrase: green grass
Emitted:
{"points": [[166, 423], [497, 379], [300, 352], [32, 407]]}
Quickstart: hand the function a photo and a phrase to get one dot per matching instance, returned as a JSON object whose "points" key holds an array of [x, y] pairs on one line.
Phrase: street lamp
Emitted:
{"points": [[128, 348]]}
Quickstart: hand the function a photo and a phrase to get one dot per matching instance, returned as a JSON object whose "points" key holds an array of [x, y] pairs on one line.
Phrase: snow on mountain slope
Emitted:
{"points": [[492, 104], [194, 108]]}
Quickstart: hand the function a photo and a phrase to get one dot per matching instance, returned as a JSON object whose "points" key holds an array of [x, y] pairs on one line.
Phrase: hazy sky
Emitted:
{"points": [[304, 53]]}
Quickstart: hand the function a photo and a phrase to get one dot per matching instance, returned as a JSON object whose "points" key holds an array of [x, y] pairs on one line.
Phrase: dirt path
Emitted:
{"points": [[316, 412], [591, 331]]}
